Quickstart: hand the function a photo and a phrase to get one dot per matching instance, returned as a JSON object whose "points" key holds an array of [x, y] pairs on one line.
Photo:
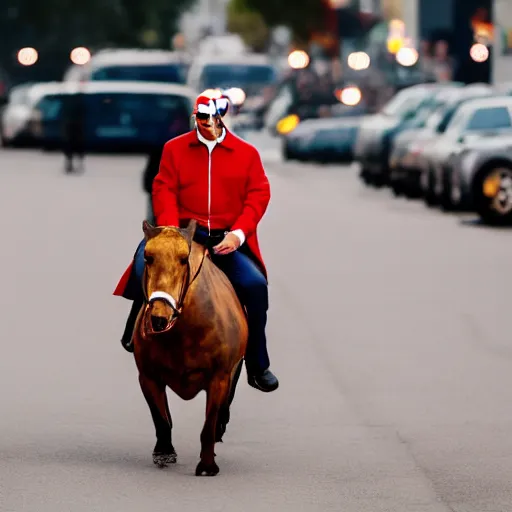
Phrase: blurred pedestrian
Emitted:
{"points": [[442, 63], [73, 120], [150, 171]]}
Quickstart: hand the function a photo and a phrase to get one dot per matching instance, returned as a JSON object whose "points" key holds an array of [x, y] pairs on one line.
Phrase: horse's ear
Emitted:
{"points": [[190, 231], [149, 230]]}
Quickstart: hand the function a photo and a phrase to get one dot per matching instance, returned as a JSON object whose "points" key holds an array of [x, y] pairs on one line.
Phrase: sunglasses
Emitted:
{"points": [[221, 108]]}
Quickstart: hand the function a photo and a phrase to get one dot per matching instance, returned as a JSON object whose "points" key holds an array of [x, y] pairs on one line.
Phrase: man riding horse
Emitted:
{"points": [[214, 177]]}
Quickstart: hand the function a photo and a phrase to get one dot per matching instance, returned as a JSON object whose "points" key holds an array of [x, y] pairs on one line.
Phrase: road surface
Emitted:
{"points": [[390, 332]]}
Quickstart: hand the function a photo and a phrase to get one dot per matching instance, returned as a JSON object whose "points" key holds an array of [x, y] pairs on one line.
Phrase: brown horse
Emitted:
{"points": [[191, 335]]}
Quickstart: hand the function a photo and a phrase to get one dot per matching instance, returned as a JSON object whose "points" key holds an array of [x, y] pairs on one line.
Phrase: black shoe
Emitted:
{"points": [[265, 381], [127, 345], [127, 339]]}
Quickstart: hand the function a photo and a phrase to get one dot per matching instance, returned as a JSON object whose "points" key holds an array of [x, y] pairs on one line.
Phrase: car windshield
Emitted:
{"points": [[168, 73], [441, 118], [436, 117], [490, 118], [136, 108], [402, 104], [247, 77]]}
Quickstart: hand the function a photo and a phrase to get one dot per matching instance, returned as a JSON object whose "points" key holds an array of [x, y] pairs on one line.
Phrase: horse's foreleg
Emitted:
{"points": [[216, 397], [154, 393]]}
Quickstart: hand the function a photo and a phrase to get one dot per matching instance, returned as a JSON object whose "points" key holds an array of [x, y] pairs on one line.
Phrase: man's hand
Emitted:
{"points": [[230, 243]]}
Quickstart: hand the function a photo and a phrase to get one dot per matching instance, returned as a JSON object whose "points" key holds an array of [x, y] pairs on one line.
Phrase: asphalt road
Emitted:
{"points": [[390, 331]]}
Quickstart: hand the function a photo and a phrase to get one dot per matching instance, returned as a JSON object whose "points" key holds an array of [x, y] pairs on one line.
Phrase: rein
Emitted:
{"points": [[176, 307]]}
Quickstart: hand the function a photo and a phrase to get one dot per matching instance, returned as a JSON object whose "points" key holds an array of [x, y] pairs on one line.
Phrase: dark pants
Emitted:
{"points": [[251, 288]]}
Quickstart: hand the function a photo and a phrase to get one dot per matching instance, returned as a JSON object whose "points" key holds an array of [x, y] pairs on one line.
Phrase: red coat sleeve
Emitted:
{"points": [[256, 199], [165, 191]]}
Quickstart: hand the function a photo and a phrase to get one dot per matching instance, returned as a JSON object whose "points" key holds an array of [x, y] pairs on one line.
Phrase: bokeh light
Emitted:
{"points": [[28, 56], [236, 95], [350, 96], [407, 57], [396, 35], [287, 124], [358, 61], [212, 93], [298, 59], [80, 56], [394, 44], [479, 52]]}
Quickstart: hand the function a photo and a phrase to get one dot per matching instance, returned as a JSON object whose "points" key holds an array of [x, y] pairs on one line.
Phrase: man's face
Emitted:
{"points": [[209, 127]]}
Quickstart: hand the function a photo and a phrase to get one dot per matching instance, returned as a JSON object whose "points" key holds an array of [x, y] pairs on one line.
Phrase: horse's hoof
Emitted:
{"points": [[162, 460], [204, 469]]}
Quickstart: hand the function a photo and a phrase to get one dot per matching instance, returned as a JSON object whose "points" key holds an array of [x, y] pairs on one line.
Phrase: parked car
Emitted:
{"points": [[407, 147], [474, 119], [121, 116], [132, 65], [45, 125], [15, 119], [322, 140], [408, 108], [481, 179]]}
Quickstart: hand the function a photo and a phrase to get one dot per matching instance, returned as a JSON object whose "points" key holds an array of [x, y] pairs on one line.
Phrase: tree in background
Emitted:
{"points": [[303, 17], [55, 27], [249, 24]]}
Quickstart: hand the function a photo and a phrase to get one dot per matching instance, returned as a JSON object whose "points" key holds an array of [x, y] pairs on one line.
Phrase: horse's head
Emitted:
{"points": [[168, 268]]}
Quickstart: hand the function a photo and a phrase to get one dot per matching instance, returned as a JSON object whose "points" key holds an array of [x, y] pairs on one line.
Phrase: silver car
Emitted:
{"points": [[481, 179], [16, 117], [474, 119]]}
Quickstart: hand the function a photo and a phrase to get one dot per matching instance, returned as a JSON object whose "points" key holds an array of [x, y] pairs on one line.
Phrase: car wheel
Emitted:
{"points": [[430, 195], [365, 176], [493, 196], [397, 188]]}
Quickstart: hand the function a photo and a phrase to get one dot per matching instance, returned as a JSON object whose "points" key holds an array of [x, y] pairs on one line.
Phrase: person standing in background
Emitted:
{"points": [[150, 171], [442, 63], [73, 121]]}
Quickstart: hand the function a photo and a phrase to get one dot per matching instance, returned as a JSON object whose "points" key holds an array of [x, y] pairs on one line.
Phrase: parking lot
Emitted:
{"points": [[389, 330]]}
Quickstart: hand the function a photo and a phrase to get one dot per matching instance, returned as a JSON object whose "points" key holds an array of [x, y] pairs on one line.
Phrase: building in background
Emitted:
{"points": [[456, 22], [502, 55], [208, 17]]}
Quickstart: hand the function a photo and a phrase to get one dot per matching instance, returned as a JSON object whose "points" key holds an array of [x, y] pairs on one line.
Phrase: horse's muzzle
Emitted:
{"points": [[159, 323]]}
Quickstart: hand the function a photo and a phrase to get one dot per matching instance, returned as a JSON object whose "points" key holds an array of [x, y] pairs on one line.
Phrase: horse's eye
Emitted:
{"points": [[183, 261], [148, 259]]}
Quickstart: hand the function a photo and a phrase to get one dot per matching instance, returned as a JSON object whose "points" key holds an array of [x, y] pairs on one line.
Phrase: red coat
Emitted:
{"points": [[231, 185]]}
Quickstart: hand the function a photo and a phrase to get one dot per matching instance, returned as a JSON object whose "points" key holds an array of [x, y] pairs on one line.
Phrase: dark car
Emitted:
{"points": [[407, 147], [481, 179], [322, 140], [122, 116], [407, 109], [474, 119]]}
